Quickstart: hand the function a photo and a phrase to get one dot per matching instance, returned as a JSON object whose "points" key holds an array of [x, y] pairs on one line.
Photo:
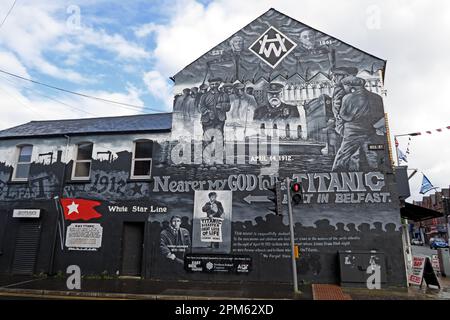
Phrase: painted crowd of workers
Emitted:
{"points": [[231, 108]]}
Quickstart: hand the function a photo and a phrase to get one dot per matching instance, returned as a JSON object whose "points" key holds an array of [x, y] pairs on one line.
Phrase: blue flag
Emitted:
{"points": [[401, 155], [426, 185]]}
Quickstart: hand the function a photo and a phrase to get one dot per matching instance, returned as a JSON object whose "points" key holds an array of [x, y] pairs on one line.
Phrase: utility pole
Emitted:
{"points": [[291, 231]]}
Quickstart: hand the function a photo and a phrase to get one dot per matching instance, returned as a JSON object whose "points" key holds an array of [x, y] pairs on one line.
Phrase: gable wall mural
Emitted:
{"points": [[277, 99]]}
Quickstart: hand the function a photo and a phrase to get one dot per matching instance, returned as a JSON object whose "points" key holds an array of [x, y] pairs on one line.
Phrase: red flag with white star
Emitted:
{"points": [[80, 209]]}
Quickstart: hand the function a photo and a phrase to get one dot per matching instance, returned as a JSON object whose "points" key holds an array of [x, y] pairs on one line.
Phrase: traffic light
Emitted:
{"points": [[276, 198], [296, 193]]}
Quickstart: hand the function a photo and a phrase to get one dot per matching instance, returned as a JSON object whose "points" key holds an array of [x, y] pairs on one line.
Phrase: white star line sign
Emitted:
{"points": [[73, 207]]}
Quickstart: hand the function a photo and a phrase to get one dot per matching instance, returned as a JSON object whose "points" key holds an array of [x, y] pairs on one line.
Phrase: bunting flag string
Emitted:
{"points": [[428, 132]]}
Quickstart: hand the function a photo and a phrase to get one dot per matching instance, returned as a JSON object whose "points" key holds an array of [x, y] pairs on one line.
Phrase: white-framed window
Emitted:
{"points": [[141, 164], [83, 161], [22, 168]]}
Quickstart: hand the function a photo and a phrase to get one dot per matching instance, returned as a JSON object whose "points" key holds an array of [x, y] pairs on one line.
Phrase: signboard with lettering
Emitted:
{"points": [[224, 263], [423, 270], [26, 213], [84, 236], [416, 275], [435, 263]]}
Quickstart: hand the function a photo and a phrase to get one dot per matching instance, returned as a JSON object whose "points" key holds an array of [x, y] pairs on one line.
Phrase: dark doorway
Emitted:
{"points": [[26, 248], [132, 248]]}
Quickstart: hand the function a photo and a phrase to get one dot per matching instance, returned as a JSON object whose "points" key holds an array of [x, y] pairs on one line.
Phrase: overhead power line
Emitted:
{"points": [[82, 94], [7, 15]]}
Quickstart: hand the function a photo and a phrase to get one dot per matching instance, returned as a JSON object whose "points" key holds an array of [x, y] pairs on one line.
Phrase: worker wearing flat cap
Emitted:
{"points": [[337, 74], [228, 88], [361, 111], [276, 108], [214, 106], [202, 90]]}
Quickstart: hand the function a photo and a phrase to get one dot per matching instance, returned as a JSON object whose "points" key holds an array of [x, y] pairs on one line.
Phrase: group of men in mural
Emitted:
{"points": [[231, 109], [358, 121]]}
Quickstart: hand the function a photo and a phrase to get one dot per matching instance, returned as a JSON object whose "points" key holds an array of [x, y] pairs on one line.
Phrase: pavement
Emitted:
{"points": [[119, 288], [423, 250], [34, 287]]}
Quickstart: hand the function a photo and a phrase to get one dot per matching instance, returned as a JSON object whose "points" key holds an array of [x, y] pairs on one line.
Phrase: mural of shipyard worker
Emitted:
{"points": [[202, 90], [213, 209], [360, 112], [188, 104], [337, 74], [333, 139], [214, 106], [276, 108], [250, 90], [175, 241], [228, 88], [242, 110], [178, 101]]}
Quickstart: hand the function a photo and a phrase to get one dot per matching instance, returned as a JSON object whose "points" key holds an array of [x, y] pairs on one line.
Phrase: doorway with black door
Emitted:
{"points": [[132, 248]]}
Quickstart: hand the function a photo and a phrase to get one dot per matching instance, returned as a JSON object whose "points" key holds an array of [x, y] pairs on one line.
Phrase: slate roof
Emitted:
{"points": [[156, 122]]}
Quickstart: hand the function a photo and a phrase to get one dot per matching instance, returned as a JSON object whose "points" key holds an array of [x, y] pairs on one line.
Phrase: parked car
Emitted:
{"points": [[438, 243], [416, 242]]}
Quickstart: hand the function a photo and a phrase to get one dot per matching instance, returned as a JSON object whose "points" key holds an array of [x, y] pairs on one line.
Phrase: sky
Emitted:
{"points": [[127, 51]]}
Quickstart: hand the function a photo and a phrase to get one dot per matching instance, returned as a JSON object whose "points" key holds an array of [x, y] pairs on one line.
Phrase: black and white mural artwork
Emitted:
{"points": [[277, 99]]}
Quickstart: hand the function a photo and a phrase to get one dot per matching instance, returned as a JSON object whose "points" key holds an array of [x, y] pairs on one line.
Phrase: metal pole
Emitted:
{"points": [[396, 150], [446, 208], [291, 231]]}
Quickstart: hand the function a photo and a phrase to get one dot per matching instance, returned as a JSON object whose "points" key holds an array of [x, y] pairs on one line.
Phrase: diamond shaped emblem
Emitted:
{"points": [[272, 47]]}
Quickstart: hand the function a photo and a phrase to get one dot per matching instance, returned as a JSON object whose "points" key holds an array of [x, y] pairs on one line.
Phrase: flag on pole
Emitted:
{"points": [[80, 209], [426, 185]]}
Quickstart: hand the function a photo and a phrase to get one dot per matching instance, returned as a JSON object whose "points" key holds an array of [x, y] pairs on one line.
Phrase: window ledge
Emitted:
{"points": [[13, 182], [129, 180], [80, 181]]}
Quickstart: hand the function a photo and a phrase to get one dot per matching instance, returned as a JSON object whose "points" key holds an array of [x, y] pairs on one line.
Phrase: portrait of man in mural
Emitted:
{"points": [[361, 112], [175, 241], [308, 39], [214, 106], [243, 106], [276, 108]]}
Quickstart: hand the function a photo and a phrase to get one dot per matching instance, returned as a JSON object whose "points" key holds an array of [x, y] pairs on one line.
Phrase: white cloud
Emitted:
{"points": [[24, 105], [145, 30], [8, 61], [114, 43], [36, 30], [159, 87]]}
